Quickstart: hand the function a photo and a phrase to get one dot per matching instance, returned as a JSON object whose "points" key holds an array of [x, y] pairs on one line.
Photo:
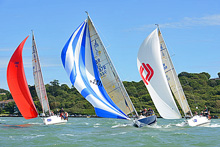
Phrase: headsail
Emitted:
{"points": [[79, 62], [18, 86], [150, 67], [172, 77], [38, 79], [110, 79]]}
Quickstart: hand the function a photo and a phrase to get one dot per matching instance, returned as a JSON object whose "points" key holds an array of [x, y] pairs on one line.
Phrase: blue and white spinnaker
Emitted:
{"points": [[80, 64]]}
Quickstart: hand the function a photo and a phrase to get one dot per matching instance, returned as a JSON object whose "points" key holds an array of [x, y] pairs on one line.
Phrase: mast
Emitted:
{"points": [[151, 70], [175, 78], [38, 78], [33, 51], [80, 64], [121, 87]]}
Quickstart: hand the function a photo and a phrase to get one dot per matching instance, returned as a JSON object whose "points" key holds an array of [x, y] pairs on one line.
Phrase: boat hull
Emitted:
{"points": [[53, 120], [198, 121], [141, 122]]}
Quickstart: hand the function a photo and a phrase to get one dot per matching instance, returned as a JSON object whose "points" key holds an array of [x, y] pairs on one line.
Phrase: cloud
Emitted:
{"points": [[5, 49], [187, 22], [27, 61], [3, 63]]}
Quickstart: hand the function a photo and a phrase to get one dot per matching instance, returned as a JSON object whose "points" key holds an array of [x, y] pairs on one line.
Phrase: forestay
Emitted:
{"points": [[172, 77], [108, 74], [80, 64], [38, 79], [150, 66]]}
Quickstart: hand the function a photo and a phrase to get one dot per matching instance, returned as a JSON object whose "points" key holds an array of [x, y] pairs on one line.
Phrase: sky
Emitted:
{"points": [[191, 30]]}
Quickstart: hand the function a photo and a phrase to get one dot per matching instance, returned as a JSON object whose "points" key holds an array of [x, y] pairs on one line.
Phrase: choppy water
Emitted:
{"points": [[18, 132]]}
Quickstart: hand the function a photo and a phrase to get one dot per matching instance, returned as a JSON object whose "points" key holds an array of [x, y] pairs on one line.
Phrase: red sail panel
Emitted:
{"points": [[18, 86]]}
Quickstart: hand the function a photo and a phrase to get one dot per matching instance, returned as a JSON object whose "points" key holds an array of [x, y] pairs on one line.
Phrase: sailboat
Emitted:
{"points": [[159, 75], [41, 90], [19, 89], [92, 73]]}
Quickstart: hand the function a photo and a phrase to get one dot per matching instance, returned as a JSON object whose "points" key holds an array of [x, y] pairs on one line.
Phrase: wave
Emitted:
{"points": [[96, 125], [67, 134], [36, 123], [182, 124], [213, 126], [32, 136], [120, 133], [121, 125]]}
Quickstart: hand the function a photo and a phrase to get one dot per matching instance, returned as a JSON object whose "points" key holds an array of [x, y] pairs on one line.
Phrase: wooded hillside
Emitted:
{"points": [[199, 89]]}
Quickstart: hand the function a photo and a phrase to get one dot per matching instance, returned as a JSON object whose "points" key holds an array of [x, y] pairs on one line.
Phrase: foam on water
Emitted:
{"points": [[214, 126], [32, 136], [120, 133], [36, 123], [67, 134], [121, 125], [182, 124], [3, 120], [106, 132]]}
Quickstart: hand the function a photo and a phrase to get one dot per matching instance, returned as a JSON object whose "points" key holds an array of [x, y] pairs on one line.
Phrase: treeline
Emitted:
{"points": [[199, 89]]}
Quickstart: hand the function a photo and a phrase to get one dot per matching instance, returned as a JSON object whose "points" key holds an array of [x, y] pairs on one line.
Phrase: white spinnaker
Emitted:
{"points": [[38, 79], [149, 53], [108, 74], [172, 77]]}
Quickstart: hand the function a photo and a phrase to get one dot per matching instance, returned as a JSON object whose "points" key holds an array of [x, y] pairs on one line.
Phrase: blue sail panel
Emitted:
{"points": [[79, 63], [86, 54], [103, 113]]}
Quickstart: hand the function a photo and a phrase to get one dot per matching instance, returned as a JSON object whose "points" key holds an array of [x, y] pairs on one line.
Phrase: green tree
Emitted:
{"points": [[10, 107]]}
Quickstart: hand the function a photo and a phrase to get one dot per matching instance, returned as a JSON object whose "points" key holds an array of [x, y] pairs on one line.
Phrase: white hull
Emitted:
{"points": [[53, 120], [198, 121]]}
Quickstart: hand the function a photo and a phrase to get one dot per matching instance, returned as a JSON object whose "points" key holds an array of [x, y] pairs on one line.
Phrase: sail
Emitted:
{"points": [[150, 67], [110, 79], [172, 77], [79, 62], [38, 79], [18, 86]]}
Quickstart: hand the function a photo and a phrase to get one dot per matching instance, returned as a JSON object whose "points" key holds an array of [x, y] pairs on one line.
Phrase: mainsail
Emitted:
{"points": [[78, 58], [150, 67], [172, 77], [18, 86], [38, 79], [108, 74]]}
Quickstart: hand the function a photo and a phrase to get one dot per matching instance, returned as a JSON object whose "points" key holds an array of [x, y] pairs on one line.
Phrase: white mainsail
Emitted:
{"points": [[172, 77], [38, 79], [150, 67], [108, 74]]}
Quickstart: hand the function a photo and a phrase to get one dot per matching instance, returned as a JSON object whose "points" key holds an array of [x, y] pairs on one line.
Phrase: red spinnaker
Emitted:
{"points": [[18, 86]]}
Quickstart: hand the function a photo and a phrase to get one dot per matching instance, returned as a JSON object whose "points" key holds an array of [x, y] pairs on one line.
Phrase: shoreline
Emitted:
{"points": [[91, 116]]}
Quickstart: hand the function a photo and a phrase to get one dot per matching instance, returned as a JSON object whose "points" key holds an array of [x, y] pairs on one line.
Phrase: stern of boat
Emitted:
{"points": [[198, 121], [53, 120], [149, 120]]}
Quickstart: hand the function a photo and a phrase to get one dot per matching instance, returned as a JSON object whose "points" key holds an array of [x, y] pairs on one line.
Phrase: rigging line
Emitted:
{"points": [[106, 40], [173, 72], [36, 74], [54, 97], [136, 92], [195, 102], [114, 70]]}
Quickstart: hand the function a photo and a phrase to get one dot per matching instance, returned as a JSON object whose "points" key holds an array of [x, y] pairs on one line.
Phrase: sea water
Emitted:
{"points": [[94, 132]]}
